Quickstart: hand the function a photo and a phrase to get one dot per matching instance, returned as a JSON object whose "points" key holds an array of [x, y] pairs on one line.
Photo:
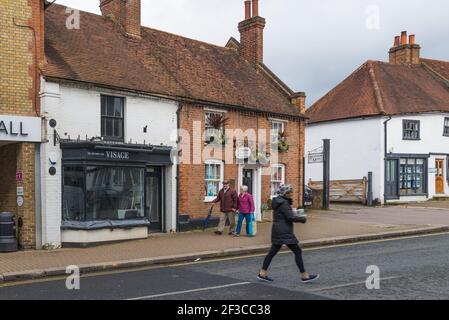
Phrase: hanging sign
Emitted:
{"points": [[316, 158]]}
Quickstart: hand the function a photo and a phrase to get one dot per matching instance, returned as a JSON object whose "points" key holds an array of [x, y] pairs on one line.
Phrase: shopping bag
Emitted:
{"points": [[253, 225]]}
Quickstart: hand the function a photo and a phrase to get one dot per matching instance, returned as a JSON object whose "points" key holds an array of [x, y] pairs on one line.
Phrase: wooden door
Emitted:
{"points": [[439, 176]]}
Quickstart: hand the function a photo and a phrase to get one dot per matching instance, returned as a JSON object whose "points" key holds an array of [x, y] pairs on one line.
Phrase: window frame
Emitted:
{"points": [[206, 127], [108, 117], [403, 171], [282, 181], [220, 180], [273, 134], [404, 130], [446, 127]]}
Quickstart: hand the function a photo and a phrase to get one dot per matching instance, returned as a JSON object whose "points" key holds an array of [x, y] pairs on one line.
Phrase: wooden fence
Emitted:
{"points": [[345, 190]]}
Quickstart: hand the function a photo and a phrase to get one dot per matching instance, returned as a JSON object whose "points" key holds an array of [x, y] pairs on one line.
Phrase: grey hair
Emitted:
{"points": [[244, 188]]}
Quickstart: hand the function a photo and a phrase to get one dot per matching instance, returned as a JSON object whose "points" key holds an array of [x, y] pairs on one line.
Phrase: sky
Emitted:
{"points": [[312, 45]]}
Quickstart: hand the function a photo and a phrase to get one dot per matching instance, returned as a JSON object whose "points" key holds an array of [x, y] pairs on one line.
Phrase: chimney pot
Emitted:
{"points": [[411, 39], [255, 8], [397, 41], [403, 37], [247, 9]]}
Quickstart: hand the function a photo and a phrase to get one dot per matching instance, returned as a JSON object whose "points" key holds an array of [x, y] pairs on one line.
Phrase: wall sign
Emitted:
{"points": [[20, 201], [20, 191], [21, 129], [19, 176], [243, 153], [316, 158]]}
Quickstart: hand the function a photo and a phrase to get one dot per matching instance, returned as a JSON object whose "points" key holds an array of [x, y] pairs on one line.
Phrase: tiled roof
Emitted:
{"points": [[379, 88], [161, 63]]}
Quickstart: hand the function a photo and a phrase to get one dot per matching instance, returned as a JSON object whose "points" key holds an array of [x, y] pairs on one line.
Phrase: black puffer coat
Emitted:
{"points": [[283, 219]]}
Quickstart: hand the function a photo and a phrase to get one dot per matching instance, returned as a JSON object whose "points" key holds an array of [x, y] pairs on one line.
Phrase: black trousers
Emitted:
{"points": [[274, 251]]}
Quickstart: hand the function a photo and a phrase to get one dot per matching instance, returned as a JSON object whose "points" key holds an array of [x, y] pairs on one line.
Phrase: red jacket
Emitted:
{"points": [[246, 203], [228, 200]]}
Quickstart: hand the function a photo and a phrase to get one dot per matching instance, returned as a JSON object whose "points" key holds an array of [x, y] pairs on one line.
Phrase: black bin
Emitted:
{"points": [[8, 239]]}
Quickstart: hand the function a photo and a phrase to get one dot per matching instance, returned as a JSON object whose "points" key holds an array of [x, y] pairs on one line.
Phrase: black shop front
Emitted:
{"points": [[113, 186]]}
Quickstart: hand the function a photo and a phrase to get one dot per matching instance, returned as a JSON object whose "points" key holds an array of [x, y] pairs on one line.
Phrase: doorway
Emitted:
{"points": [[439, 176], [392, 179], [154, 198], [248, 180]]}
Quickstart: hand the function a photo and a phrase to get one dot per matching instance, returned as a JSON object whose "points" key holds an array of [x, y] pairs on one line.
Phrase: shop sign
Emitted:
{"points": [[432, 170], [316, 158], [20, 129]]}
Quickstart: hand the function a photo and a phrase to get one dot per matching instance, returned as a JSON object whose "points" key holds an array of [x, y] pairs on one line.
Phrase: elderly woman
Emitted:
{"points": [[283, 234], [245, 204]]}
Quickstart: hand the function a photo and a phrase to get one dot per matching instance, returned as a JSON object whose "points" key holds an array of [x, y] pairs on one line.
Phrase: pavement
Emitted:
{"points": [[340, 225], [412, 268]]}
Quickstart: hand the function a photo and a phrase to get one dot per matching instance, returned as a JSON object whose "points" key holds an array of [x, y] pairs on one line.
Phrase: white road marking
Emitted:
{"points": [[190, 291], [350, 284]]}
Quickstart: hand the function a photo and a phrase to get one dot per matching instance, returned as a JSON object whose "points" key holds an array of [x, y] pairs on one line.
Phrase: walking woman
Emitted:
{"points": [[283, 234], [246, 211]]}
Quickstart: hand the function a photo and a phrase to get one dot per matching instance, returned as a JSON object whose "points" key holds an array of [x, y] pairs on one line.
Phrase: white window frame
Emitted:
{"points": [[206, 113], [274, 133], [220, 184], [282, 181]]}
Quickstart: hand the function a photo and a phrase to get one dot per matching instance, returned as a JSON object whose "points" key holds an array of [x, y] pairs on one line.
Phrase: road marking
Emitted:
{"points": [[190, 291], [144, 268], [350, 284]]}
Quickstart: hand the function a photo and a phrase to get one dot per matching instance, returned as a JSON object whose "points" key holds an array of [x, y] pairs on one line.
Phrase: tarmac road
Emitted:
{"points": [[411, 268]]}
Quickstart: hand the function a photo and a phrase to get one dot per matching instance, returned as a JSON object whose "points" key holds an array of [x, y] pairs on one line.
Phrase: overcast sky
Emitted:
{"points": [[310, 44]]}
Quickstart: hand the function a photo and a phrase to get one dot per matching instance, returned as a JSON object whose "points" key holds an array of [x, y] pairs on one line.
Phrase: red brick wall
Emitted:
{"points": [[251, 39], [191, 176], [126, 13]]}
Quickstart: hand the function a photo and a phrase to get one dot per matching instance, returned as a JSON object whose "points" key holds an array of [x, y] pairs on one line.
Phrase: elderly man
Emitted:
{"points": [[228, 199]]}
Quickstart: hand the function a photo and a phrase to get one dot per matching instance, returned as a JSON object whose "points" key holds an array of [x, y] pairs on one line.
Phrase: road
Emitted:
{"points": [[411, 268]]}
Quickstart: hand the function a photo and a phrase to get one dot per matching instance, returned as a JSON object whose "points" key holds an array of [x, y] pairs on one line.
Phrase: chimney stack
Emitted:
{"points": [[251, 33], [403, 52], [127, 13]]}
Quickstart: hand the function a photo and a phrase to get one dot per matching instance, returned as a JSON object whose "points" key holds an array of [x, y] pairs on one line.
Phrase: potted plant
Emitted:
{"points": [[217, 122], [283, 145]]}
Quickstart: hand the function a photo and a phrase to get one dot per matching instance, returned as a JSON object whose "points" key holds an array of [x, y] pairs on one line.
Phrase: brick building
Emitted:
{"points": [[167, 93], [21, 52]]}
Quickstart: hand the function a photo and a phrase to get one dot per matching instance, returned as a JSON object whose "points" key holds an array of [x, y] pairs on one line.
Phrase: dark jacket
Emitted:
{"points": [[228, 200], [283, 218]]}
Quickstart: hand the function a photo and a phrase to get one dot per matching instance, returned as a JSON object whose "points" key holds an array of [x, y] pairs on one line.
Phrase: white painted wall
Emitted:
{"points": [[77, 111], [357, 146], [356, 149], [432, 141]]}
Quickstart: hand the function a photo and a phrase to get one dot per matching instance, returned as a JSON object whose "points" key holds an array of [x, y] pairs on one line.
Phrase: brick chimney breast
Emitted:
{"points": [[126, 13], [251, 34], [403, 52]]}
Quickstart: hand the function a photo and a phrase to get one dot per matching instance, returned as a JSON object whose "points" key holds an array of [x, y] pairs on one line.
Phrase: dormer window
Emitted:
{"points": [[411, 130]]}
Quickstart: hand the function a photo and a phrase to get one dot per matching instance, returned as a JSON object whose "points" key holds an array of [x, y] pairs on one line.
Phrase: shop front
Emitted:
{"points": [[406, 177], [19, 138], [113, 192]]}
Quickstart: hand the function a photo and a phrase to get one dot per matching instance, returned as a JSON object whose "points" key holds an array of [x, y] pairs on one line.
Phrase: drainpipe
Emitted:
{"points": [[177, 166], [386, 136], [385, 151]]}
